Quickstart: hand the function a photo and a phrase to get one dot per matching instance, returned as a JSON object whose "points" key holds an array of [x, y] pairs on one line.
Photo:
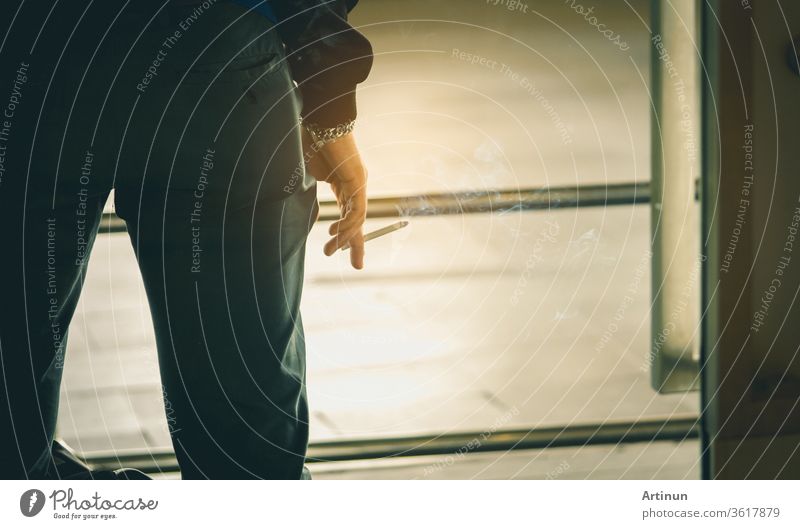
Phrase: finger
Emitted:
{"points": [[329, 248], [349, 234], [353, 216], [341, 240], [336, 227], [345, 224], [334, 244], [357, 251]]}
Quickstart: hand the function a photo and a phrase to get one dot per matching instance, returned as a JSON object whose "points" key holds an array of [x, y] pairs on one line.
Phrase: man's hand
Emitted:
{"points": [[339, 164]]}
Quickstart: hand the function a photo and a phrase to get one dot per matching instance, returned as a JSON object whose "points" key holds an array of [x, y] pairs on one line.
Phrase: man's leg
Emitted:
{"points": [[218, 219], [225, 300], [58, 148], [41, 273]]}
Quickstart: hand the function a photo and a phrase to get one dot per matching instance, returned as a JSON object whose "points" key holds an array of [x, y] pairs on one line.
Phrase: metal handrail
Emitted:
{"points": [[482, 201], [672, 428]]}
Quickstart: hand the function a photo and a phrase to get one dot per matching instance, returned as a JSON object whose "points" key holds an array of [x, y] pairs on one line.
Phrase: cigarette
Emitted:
{"points": [[383, 231]]}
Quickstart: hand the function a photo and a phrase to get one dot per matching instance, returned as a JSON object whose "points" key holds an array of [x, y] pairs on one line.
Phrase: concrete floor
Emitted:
{"points": [[458, 322]]}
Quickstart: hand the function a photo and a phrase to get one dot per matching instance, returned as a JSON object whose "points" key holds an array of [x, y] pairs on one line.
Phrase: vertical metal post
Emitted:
{"points": [[675, 86]]}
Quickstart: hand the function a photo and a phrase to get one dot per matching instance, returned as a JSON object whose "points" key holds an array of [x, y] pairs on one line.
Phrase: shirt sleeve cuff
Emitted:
{"points": [[326, 108]]}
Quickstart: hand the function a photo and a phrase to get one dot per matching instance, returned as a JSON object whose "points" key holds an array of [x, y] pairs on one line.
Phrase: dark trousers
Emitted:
{"points": [[191, 117]]}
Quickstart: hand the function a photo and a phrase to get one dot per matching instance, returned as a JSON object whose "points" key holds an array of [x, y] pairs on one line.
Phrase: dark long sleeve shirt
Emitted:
{"points": [[327, 56]]}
